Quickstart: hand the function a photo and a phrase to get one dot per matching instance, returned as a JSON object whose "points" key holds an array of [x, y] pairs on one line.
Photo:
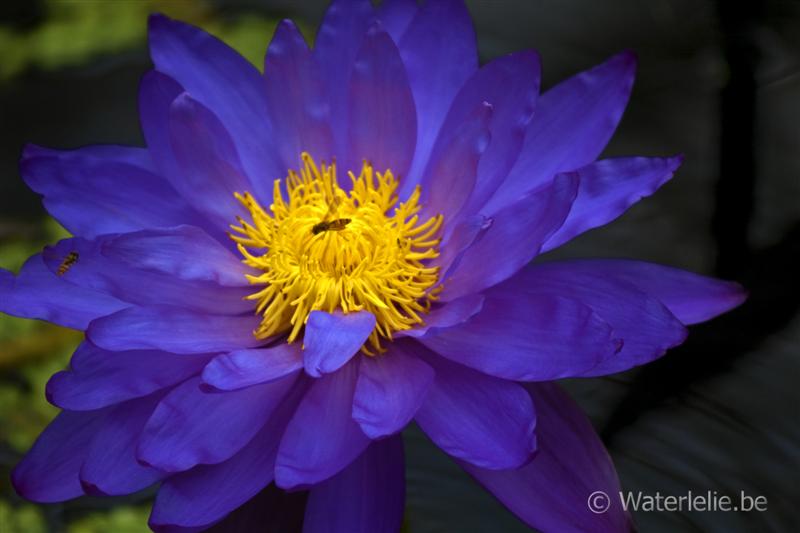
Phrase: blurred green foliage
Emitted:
{"points": [[73, 33]]}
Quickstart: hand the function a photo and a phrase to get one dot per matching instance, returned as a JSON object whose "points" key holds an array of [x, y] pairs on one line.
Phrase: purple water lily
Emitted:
{"points": [[301, 263]]}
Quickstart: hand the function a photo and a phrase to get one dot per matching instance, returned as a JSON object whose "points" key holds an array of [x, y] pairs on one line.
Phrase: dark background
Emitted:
{"points": [[718, 81]]}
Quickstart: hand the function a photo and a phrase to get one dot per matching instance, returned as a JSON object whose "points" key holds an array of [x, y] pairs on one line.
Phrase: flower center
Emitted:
{"points": [[328, 249]]}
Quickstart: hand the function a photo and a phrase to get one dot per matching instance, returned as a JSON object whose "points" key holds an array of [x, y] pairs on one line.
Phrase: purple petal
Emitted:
{"points": [[692, 298], [451, 173], [157, 91], [272, 509], [440, 54], [366, 497], [608, 188], [447, 315], [335, 49], [646, 327], [173, 329], [481, 419], [514, 238], [207, 493], [511, 85], [301, 115], [99, 378], [573, 123], [243, 368], [111, 467], [331, 339], [224, 82], [528, 338], [36, 292], [191, 427], [208, 167], [103, 189], [49, 471], [186, 252], [457, 240], [382, 120], [396, 15], [551, 492], [390, 389], [92, 269], [322, 437]]}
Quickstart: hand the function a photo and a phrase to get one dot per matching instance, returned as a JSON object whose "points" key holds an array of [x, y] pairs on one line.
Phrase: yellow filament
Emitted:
{"points": [[326, 249]]}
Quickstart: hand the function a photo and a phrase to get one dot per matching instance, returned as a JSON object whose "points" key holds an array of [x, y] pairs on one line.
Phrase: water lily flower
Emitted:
{"points": [[302, 262]]}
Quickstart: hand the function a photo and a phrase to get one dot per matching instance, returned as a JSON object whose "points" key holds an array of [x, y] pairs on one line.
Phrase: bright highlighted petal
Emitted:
{"points": [[172, 329], [175, 437], [243, 368], [330, 340], [389, 391], [98, 378]]}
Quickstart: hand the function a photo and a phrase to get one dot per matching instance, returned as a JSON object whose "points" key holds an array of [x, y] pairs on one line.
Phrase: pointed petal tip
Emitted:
{"points": [[627, 57]]}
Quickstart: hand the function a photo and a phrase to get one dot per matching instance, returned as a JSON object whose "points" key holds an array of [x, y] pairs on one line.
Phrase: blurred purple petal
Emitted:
{"points": [[366, 497], [551, 492], [49, 471]]}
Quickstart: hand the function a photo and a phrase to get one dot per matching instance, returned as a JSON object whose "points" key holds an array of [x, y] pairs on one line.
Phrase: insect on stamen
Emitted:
{"points": [[334, 225]]}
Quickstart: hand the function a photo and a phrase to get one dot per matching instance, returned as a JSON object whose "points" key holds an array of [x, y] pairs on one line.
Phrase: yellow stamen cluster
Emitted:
{"points": [[327, 249]]}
